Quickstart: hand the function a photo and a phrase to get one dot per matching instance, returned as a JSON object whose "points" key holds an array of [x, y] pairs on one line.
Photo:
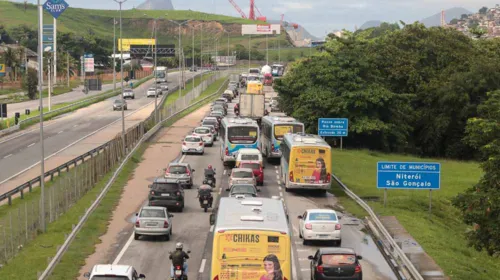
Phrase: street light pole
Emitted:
{"points": [[114, 54], [181, 71], [120, 2], [40, 93], [155, 68], [192, 57], [267, 52]]}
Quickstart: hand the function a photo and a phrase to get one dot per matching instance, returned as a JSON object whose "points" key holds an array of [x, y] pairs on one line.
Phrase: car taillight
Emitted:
{"points": [[227, 151], [152, 192], [137, 224], [290, 178], [201, 143], [272, 147], [167, 172], [319, 269], [178, 193], [261, 170], [177, 267], [165, 224], [338, 227], [309, 226], [358, 269], [328, 178], [188, 172], [184, 143], [210, 135]]}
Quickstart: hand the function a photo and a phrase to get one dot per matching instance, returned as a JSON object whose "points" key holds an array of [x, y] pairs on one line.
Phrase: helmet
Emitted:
{"points": [[179, 246], [209, 166]]}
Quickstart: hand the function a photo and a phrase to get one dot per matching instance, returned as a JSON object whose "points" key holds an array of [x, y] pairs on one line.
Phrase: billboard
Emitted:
{"points": [[128, 42], [88, 59], [260, 29]]}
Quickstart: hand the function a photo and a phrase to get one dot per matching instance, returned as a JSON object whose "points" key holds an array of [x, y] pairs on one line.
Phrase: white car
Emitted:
{"points": [[113, 271], [320, 224], [193, 144], [249, 154], [152, 92], [206, 135], [153, 221], [164, 88], [128, 93]]}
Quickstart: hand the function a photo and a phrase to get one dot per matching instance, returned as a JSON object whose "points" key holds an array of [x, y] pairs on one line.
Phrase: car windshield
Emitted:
{"points": [[252, 166], [216, 113], [152, 213], [192, 139], [210, 122], [109, 277], [249, 157], [165, 187], [282, 129], [202, 131], [242, 189], [118, 101], [177, 169], [344, 259], [322, 217], [242, 134], [242, 174]]}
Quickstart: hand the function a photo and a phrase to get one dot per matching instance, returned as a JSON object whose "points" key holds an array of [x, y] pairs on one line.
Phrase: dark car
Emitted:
{"points": [[217, 114], [220, 108], [167, 193], [220, 102], [335, 264], [119, 104], [213, 122]]}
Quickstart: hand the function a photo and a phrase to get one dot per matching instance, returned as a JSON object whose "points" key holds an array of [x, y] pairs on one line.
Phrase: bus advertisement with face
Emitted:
{"points": [[251, 255], [310, 165]]}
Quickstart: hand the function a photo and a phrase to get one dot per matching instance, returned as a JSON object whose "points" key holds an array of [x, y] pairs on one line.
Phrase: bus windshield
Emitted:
{"points": [[282, 129], [160, 74], [242, 135]]}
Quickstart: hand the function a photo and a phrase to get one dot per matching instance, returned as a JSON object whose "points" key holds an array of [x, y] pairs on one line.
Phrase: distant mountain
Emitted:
{"points": [[307, 35], [370, 24], [156, 5], [450, 14]]}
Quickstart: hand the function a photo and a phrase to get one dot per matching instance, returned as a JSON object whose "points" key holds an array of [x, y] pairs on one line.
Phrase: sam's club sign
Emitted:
{"points": [[55, 7]]}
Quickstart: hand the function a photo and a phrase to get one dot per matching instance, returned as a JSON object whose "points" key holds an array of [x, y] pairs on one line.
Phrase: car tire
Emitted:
{"points": [[167, 237], [300, 235], [339, 243], [305, 242], [136, 236], [202, 153]]}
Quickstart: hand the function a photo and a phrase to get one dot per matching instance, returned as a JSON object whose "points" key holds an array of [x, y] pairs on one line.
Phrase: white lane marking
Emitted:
{"points": [[279, 187], [302, 250], [281, 193], [182, 158], [275, 167], [60, 132], [220, 191], [202, 267], [298, 242], [305, 269], [295, 229], [75, 125], [211, 228], [303, 259], [278, 182], [124, 249], [276, 171], [7, 156], [277, 177], [294, 267], [225, 171], [31, 145]]}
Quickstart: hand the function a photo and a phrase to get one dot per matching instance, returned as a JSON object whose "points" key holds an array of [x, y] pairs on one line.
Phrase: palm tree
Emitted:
{"points": [[11, 60]]}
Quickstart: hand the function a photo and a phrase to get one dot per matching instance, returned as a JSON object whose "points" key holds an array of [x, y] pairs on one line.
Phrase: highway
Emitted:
{"points": [[20, 151], [192, 227]]}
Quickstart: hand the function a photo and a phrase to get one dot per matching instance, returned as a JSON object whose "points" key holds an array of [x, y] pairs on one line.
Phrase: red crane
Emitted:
{"points": [[251, 14], [238, 9]]}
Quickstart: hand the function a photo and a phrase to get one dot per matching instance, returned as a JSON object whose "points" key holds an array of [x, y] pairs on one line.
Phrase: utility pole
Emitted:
{"points": [[267, 51], [114, 54], [156, 74], [43, 226], [249, 48], [120, 2], [67, 68], [49, 79], [54, 56]]}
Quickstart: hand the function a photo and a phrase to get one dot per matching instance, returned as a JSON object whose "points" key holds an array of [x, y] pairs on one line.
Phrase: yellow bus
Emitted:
{"points": [[255, 87], [306, 162], [251, 239]]}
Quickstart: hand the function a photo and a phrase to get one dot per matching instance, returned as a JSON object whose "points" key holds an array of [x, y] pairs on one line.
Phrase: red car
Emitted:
{"points": [[258, 172]]}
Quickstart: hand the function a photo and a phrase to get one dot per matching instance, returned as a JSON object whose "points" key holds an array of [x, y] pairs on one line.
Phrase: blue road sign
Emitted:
{"points": [[88, 55], [55, 7], [48, 45], [48, 38], [333, 127], [48, 28], [409, 175]]}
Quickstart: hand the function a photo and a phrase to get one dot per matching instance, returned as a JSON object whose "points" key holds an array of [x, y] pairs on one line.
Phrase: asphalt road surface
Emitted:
{"points": [[22, 150], [192, 227]]}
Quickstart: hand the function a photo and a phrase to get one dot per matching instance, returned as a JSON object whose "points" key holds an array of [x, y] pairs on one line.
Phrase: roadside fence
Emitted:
{"points": [[20, 222]]}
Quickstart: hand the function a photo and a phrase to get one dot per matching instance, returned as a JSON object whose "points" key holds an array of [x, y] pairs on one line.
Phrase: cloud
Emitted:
{"points": [[297, 6]]}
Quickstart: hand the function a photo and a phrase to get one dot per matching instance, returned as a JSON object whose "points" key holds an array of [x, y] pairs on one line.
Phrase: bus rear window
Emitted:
{"points": [[282, 129], [242, 135]]}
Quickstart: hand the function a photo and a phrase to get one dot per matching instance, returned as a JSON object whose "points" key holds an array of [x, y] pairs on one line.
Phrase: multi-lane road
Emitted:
{"points": [[20, 151], [192, 227]]}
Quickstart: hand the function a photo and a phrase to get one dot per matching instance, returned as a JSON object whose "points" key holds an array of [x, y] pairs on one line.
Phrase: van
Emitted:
{"points": [[249, 154]]}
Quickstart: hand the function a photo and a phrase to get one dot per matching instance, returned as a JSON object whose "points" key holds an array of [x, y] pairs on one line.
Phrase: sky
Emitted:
{"points": [[319, 17]]}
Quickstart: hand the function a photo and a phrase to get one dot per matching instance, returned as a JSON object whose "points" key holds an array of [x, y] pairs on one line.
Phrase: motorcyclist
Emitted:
{"points": [[179, 258], [210, 173], [205, 190], [237, 108]]}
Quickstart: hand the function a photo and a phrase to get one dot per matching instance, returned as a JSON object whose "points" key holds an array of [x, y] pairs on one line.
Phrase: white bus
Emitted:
{"points": [[306, 162], [161, 74], [272, 131], [237, 133]]}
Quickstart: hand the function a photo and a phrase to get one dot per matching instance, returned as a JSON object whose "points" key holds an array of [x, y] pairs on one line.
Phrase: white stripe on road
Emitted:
{"points": [[275, 167], [124, 249], [202, 267], [276, 171], [31, 145], [75, 125], [60, 132], [305, 269], [279, 187], [277, 177], [225, 170], [281, 193], [7, 156], [294, 267], [212, 228], [182, 158]]}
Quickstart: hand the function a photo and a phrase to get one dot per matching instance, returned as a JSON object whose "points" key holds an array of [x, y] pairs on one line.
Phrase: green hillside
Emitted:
{"points": [[135, 23]]}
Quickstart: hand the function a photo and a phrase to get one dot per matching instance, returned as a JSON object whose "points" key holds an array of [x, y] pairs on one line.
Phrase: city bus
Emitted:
{"points": [[306, 162], [251, 239], [161, 74], [237, 133], [272, 130]]}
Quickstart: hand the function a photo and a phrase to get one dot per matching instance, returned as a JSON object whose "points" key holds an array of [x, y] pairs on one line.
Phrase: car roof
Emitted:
{"points": [[321, 211], [250, 161], [336, 250], [178, 164], [243, 185], [153, 208], [242, 169], [210, 119], [199, 127], [163, 180], [117, 269], [190, 135], [248, 151]]}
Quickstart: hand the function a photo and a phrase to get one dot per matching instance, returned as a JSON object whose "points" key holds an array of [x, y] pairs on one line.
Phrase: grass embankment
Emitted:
{"points": [[16, 98], [442, 237], [189, 86], [50, 115]]}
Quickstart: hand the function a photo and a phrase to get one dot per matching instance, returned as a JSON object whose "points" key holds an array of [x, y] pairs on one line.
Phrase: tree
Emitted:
{"points": [[478, 32], [483, 10], [480, 205], [464, 16], [454, 21], [30, 83], [11, 59]]}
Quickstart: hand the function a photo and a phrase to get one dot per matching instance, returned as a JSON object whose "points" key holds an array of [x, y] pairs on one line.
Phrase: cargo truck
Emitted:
{"points": [[252, 102], [278, 70]]}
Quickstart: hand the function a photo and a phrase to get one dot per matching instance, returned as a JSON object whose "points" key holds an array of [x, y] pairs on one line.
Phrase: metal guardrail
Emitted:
{"points": [[76, 229], [79, 159], [397, 253]]}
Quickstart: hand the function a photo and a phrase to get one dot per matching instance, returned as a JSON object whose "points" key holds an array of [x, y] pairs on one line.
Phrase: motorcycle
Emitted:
{"points": [[205, 196], [179, 273], [209, 181]]}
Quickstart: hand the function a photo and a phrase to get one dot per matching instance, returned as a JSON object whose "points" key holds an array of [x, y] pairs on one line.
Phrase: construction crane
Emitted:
{"points": [[251, 14], [238, 9], [260, 17]]}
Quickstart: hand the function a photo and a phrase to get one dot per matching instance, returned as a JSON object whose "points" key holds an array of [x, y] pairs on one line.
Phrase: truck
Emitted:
{"points": [[266, 69], [278, 70], [161, 74], [252, 103]]}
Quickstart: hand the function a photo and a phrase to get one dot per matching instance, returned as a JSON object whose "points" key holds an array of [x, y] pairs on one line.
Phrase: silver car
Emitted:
{"points": [[164, 88], [182, 172], [152, 92], [206, 135], [247, 190], [153, 221], [242, 176], [119, 104], [212, 130], [128, 93]]}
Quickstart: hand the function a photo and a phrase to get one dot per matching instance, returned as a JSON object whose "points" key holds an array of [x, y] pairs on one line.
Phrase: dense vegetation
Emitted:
{"points": [[424, 91]]}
